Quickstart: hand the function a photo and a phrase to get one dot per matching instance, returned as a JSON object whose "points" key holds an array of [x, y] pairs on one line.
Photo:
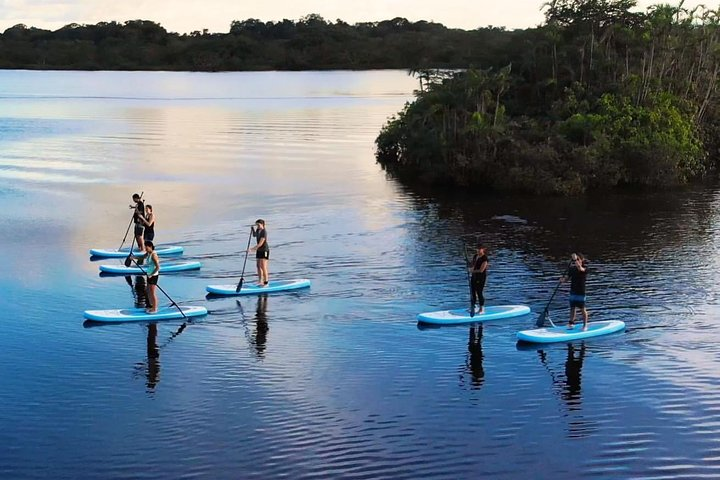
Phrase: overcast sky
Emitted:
{"points": [[185, 16]]}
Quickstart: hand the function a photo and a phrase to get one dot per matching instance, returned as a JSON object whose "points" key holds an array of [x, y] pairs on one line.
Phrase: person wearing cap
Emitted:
{"points": [[577, 274], [262, 252], [478, 270]]}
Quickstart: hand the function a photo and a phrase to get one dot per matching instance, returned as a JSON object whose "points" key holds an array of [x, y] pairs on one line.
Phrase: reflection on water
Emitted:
{"points": [[352, 387], [475, 355], [261, 325]]}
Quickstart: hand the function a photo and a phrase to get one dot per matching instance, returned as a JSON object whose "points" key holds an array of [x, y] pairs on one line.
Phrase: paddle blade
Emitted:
{"points": [[239, 286], [541, 319], [128, 261]]}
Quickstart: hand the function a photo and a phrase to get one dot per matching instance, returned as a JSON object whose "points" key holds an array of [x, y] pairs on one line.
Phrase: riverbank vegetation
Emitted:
{"points": [[600, 96], [311, 43]]}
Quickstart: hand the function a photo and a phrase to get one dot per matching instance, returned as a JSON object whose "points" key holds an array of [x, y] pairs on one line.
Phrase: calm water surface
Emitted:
{"points": [[337, 381]]}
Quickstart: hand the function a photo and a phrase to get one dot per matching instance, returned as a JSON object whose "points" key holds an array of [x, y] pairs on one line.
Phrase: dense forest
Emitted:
{"points": [[601, 96], [309, 43]]}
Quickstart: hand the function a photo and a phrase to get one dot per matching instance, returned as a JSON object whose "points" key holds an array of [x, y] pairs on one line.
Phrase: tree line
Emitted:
{"points": [[600, 96], [309, 43]]}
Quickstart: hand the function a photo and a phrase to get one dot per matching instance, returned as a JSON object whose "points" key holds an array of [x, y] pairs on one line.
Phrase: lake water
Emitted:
{"points": [[336, 381]]}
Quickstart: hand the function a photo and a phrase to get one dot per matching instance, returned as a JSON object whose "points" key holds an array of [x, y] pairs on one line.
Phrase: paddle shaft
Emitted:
{"points": [[159, 288], [242, 274], [541, 320], [130, 225]]}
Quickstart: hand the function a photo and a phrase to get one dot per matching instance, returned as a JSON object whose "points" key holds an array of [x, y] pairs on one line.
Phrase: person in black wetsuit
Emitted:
{"points": [[262, 252], [478, 270], [577, 274], [138, 219]]}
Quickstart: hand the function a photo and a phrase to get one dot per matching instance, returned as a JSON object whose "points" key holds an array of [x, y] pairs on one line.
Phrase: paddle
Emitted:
{"points": [[242, 275], [130, 225], [132, 244], [172, 302], [544, 315], [467, 271]]}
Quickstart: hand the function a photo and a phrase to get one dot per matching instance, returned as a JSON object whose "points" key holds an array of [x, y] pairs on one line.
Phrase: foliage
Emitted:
{"points": [[602, 96], [308, 43]]}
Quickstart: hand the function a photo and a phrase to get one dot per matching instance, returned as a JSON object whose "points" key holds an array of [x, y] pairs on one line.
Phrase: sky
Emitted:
{"points": [[184, 16]]}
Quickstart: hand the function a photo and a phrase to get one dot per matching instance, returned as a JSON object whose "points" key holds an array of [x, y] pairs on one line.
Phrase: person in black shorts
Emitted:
{"points": [[577, 274], [478, 270], [148, 221], [139, 207], [262, 252]]}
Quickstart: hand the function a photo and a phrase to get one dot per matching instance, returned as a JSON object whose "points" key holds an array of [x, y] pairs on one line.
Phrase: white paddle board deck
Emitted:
{"points": [[565, 334], [122, 253], [139, 314], [462, 315], [164, 268], [252, 289]]}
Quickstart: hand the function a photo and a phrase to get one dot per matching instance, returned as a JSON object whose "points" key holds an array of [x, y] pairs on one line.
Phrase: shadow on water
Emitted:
{"points": [[567, 384], [474, 362], [625, 224], [257, 337]]}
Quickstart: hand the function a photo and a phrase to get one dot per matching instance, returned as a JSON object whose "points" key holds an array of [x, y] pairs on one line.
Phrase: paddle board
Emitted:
{"points": [[250, 288], [139, 315], [115, 253], [462, 315], [565, 334], [164, 268]]}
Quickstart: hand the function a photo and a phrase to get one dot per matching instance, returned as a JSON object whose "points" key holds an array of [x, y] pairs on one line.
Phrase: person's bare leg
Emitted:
{"points": [[266, 273], [258, 265], [571, 324], [585, 318]]}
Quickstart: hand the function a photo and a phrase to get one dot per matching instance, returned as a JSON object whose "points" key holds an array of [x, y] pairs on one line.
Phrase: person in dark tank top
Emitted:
{"points": [[148, 221], [478, 270], [262, 252]]}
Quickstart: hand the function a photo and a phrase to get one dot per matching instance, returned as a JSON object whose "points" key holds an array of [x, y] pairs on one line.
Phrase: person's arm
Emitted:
{"points": [[148, 223], [483, 266]]}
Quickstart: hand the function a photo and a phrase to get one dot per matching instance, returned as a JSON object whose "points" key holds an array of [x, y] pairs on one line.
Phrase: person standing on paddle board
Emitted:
{"points": [[152, 270], [478, 271], [138, 219], [148, 221], [577, 273], [262, 252]]}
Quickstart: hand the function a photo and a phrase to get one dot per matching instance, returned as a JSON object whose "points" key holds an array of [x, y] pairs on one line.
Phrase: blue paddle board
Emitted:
{"points": [[115, 253], [164, 268], [139, 315], [565, 334], [250, 288], [462, 315]]}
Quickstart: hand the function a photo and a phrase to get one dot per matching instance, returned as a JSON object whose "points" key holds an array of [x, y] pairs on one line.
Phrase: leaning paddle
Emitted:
{"points": [[172, 302], [242, 275], [467, 271], [544, 315]]}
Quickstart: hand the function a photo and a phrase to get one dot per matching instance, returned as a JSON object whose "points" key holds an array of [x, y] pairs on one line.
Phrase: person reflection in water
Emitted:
{"points": [[153, 358], [573, 374], [259, 339], [139, 290], [475, 358]]}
